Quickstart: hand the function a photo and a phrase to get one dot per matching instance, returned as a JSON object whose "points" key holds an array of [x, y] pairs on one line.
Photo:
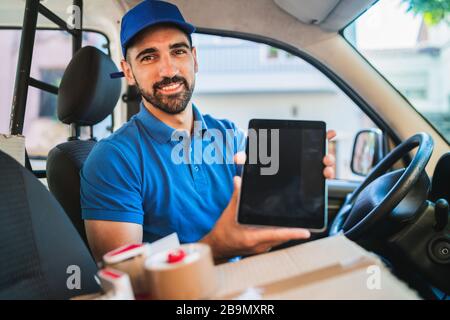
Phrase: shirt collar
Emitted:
{"points": [[160, 131], [199, 117]]}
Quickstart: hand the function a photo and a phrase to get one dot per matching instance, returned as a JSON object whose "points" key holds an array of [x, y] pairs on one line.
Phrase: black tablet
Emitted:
{"points": [[282, 179]]}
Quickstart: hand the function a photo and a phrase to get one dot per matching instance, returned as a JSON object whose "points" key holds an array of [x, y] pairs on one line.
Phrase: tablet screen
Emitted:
{"points": [[283, 182]]}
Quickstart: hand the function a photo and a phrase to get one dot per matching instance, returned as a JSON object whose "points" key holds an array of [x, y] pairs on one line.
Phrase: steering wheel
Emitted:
{"points": [[358, 214]]}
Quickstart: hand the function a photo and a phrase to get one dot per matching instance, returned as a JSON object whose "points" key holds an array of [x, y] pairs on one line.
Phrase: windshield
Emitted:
{"points": [[408, 42]]}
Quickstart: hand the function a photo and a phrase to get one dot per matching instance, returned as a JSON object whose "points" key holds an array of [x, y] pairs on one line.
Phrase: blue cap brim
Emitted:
{"points": [[186, 27], [116, 75]]}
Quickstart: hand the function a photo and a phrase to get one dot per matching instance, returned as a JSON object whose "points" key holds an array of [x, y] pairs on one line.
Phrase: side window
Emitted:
{"points": [[408, 42], [240, 80], [51, 55]]}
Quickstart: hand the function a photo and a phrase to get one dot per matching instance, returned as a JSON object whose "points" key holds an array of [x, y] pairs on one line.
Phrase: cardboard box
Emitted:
{"points": [[14, 146], [330, 268]]}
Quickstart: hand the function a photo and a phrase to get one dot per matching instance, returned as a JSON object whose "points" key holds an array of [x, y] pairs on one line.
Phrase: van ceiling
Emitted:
{"points": [[330, 15]]}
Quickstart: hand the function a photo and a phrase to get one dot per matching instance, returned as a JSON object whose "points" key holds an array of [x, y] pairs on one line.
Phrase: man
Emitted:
{"points": [[132, 190]]}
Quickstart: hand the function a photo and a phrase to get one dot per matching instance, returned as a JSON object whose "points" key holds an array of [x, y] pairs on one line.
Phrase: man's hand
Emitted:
{"points": [[329, 161], [228, 238]]}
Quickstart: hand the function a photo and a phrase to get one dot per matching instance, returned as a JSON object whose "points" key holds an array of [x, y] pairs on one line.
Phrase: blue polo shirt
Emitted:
{"points": [[166, 180]]}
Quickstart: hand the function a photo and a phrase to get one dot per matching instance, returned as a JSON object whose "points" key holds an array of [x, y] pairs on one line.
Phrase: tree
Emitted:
{"points": [[433, 11]]}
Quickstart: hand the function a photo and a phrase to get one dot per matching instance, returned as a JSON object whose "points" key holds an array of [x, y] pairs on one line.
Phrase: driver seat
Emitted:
{"points": [[40, 251], [87, 95]]}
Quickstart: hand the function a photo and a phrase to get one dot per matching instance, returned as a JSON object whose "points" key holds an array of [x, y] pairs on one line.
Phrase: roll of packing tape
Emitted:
{"points": [[130, 259], [184, 273]]}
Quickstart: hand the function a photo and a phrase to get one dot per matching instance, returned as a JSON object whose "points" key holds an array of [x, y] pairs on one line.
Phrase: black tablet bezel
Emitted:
{"points": [[278, 221]]}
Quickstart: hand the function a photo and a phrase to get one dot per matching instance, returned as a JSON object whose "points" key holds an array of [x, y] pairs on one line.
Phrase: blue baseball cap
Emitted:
{"points": [[149, 13]]}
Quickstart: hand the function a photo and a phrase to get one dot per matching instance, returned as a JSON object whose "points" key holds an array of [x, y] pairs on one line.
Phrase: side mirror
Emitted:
{"points": [[367, 151]]}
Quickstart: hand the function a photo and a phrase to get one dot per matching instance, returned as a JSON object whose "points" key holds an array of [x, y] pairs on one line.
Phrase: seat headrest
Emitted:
{"points": [[87, 94]]}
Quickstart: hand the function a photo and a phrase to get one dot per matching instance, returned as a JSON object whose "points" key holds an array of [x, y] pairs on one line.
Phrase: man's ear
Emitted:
{"points": [[126, 68], [194, 54]]}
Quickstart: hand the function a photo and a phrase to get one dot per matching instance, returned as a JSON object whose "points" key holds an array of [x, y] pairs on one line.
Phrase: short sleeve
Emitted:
{"points": [[111, 186]]}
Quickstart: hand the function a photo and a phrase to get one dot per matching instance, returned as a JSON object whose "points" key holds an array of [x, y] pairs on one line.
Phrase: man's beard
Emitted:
{"points": [[172, 104]]}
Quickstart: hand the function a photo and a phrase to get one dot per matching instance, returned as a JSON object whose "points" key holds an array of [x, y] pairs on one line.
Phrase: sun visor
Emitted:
{"points": [[331, 15]]}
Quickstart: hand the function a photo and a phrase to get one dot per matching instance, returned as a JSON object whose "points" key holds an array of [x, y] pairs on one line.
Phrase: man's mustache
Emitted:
{"points": [[170, 81]]}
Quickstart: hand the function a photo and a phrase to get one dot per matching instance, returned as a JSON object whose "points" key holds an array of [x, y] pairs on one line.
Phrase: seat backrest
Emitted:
{"points": [[39, 247], [87, 95], [64, 163]]}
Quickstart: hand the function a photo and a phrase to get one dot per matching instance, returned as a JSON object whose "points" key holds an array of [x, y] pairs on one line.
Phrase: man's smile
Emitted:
{"points": [[171, 89]]}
